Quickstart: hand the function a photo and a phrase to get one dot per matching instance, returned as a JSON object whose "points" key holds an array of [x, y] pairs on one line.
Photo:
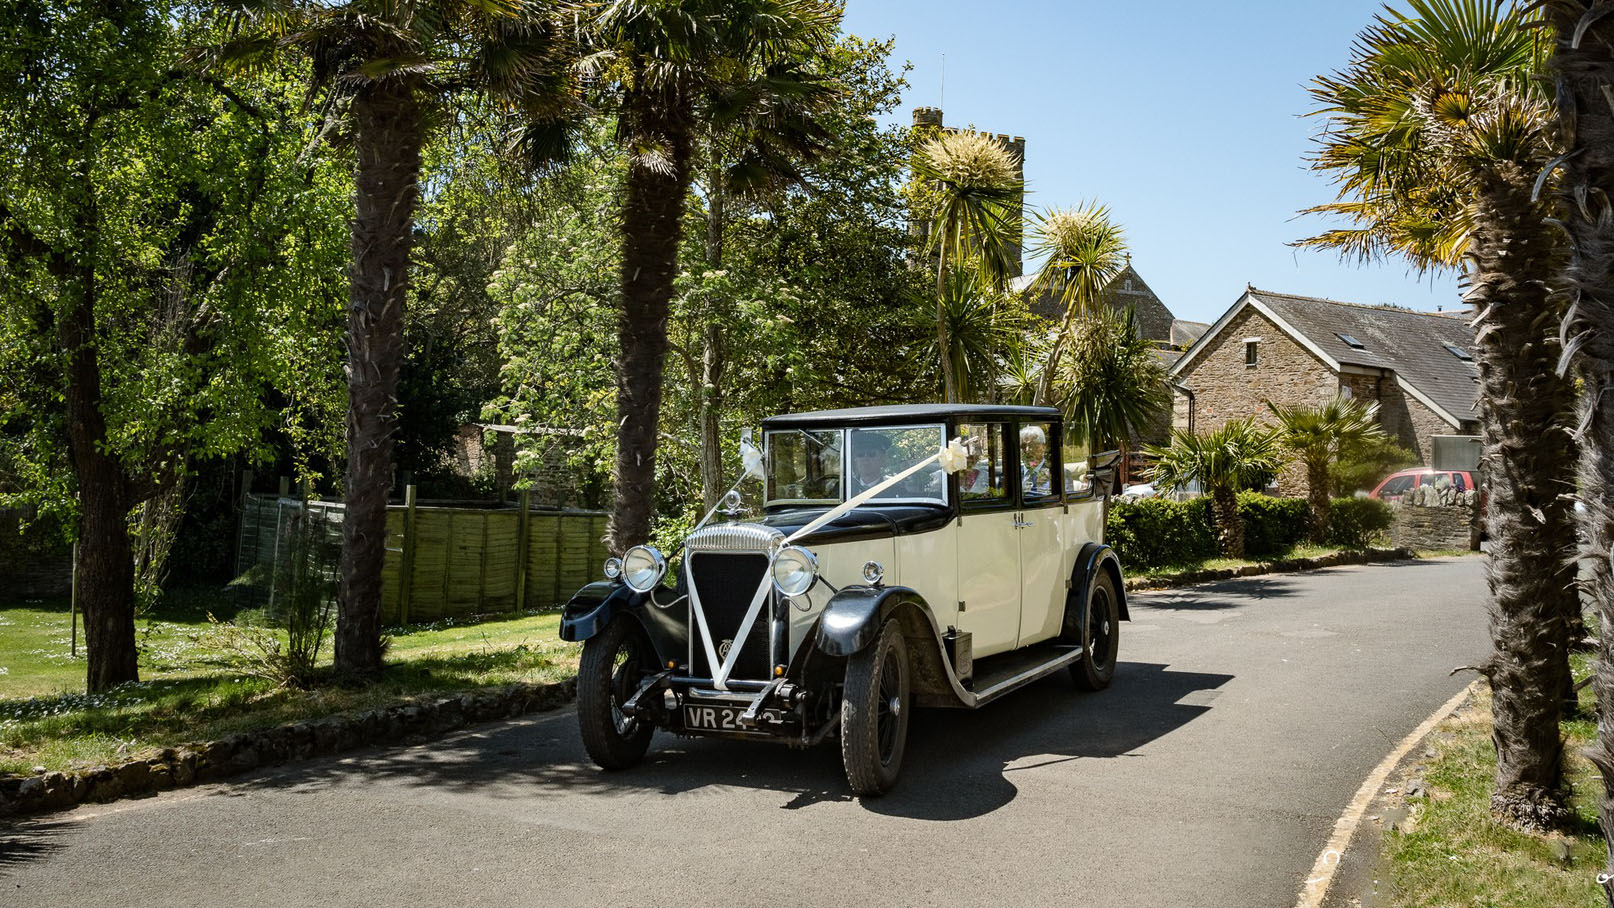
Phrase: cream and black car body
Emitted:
{"points": [[822, 616]]}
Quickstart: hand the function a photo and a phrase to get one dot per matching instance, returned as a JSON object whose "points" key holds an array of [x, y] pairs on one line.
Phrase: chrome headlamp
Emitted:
{"points": [[613, 568], [643, 568], [794, 570]]}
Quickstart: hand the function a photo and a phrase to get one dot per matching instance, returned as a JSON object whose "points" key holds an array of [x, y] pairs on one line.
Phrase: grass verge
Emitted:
{"points": [[1448, 851], [197, 685]]}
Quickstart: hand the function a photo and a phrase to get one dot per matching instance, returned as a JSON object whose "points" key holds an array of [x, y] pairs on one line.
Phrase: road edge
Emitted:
{"points": [[1323, 870]]}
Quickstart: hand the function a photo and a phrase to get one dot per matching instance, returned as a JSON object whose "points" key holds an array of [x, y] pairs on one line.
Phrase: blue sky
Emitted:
{"points": [[1186, 118]]}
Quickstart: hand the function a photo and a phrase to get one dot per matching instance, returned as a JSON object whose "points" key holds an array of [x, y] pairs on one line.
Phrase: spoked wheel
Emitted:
{"points": [[874, 714], [1101, 639], [614, 662]]}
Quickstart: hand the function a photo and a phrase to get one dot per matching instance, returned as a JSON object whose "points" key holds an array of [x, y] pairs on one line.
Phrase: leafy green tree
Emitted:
{"points": [[1085, 250], [1317, 434], [1239, 455], [967, 196], [389, 67], [656, 62], [1583, 69], [1438, 130], [982, 325], [166, 249]]}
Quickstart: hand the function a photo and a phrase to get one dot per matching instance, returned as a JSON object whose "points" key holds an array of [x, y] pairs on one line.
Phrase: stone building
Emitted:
{"points": [[1302, 350]]}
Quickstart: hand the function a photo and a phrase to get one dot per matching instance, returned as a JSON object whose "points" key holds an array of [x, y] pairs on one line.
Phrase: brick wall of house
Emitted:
{"points": [[1226, 389], [1403, 416]]}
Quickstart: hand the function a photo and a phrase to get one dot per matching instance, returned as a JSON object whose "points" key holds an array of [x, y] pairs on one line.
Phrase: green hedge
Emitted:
{"points": [[1154, 532], [1272, 525], [1356, 522], [1157, 532]]}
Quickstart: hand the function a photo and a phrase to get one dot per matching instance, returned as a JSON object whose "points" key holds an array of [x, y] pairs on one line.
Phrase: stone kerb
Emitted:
{"points": [[211, 761], [1431, 518]]}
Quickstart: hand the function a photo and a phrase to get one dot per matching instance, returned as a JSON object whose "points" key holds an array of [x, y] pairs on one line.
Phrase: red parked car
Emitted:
{"points": [[1397, 485]]}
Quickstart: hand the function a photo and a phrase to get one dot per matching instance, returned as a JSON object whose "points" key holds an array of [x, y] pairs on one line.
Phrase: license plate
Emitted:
{"points": [[717, 717]]}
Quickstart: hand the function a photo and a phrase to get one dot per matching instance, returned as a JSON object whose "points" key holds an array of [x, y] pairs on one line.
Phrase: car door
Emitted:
{"points": [[988, 558], [1041, 532]]}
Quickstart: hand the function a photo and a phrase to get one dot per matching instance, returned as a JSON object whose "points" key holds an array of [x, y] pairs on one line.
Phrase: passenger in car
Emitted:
{"points": [[1034, 478], [869, 450]]}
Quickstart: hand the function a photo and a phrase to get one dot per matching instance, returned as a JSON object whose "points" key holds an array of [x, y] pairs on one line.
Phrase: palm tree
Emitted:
{"points": [[1112, 385], [969, 198], [1584, 70], [1239, 455], [658, 61], [391, 64], [1316, 434], [1437, 132], [1085, 251]]}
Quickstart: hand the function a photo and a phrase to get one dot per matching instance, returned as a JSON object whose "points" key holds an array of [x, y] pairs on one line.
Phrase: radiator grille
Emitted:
{"points": [[726, 582]]}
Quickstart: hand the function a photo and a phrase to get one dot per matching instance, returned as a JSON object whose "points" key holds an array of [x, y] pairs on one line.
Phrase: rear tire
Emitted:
{"points": [[1101, 637], [874, 714], [614, 662]]}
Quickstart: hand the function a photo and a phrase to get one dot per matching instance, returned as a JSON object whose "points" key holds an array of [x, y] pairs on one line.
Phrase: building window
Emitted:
{"points": [[1252, 354], [1345, 391]]}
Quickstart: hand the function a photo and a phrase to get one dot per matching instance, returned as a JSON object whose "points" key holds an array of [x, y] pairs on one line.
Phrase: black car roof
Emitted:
{"points": [[896, 414]]}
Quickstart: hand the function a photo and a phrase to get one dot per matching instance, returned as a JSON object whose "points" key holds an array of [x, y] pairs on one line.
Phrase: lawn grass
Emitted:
{"points": [[1450, 852], [198, 681]]}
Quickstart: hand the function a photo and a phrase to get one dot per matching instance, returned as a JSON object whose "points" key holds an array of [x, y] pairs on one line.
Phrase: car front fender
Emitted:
{"points": [[854, 616], [591, 608]]}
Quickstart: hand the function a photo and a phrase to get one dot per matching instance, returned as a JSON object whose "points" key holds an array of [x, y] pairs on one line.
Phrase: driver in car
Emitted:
{"points": [[870, 451]]}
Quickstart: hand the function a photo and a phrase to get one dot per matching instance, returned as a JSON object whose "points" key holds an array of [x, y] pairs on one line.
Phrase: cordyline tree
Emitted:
{"points": [[1085, 250], [1437, 133], [1583, 65], [967, 192], [661, 65], [392, 67], [153, 224]]}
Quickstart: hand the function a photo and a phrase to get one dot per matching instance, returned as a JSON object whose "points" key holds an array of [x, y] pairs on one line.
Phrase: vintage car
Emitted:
{"points": [[925, 555]]}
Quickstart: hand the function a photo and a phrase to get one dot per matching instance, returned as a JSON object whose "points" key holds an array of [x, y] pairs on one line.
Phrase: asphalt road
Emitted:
{"points": [[1243, 717]]}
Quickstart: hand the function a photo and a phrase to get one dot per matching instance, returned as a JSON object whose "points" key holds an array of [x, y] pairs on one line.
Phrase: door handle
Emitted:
{"points": [[1022, 524]]}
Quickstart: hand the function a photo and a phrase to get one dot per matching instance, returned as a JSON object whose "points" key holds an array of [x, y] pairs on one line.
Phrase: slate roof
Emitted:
{"points": [[1412, 344]]}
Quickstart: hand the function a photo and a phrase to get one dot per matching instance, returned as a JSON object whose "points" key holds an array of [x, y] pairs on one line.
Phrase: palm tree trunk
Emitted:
{"points": [[1529, 459], [652, 222], [1045, 385], [949, 379], [1317, 497], [105, 563], [1229, 528], [387, 143], [1585, 73]]}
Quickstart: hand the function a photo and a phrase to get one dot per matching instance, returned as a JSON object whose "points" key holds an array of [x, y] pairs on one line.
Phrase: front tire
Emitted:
{"points": [[874, 714], [1101, 638], [613, 664]]}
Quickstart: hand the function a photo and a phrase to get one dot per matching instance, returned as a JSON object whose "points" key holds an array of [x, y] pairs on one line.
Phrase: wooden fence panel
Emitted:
{"points": [[464, 561]]}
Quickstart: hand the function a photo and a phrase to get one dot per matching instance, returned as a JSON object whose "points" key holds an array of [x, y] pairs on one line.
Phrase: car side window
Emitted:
{"points": [[1458, 483], [983, 482], [1400, 485], [1039, 464]]}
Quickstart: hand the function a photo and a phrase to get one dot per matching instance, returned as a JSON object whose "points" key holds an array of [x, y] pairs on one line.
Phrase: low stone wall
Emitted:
{"points": [[193, 764], [1430, 518]]}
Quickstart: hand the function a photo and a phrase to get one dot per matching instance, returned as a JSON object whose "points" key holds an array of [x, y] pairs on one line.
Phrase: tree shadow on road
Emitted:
{"points": [[959, 763], [22, 841], [1223, 594]]}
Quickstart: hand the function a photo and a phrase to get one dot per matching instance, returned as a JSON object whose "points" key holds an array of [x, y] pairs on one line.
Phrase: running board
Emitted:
{"points": [[999, 675]]}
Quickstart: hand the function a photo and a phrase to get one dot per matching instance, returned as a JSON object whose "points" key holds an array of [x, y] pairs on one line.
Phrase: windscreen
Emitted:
{"points": [[804, 466]]}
